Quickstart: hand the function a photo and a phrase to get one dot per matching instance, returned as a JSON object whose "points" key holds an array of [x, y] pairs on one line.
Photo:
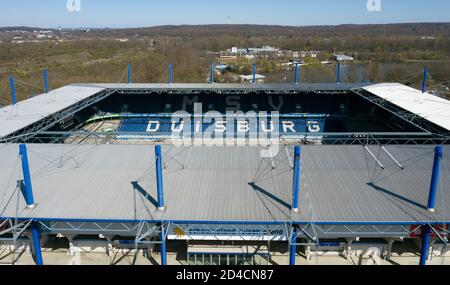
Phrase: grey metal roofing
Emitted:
{"points": [[110, 182], [30, 111], [425, 105]]}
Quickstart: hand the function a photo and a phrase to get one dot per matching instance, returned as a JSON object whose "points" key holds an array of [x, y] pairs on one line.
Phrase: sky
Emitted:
{"points": [[146, 13]]}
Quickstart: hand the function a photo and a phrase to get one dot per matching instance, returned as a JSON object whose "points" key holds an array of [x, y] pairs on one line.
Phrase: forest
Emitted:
{"points": [[386, 53]]}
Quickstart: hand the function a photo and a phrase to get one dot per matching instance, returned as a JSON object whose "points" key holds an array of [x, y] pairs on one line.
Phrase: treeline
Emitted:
{"points": [[420, 41], [413, 29], [97, 56]]}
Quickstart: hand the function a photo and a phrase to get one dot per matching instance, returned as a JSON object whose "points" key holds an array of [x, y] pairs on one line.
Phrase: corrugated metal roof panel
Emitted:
{"points": [[339, 184], [427, 106], [30, 111]]}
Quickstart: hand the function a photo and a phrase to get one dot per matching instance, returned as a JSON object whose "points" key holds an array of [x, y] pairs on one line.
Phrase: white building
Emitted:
{"points": [[342, 57], [263, 50], [252, 52], [312, 54], [249, 78]]}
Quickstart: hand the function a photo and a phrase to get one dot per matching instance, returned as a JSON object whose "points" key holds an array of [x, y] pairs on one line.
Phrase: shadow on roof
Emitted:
{"points": [[385, 191]]}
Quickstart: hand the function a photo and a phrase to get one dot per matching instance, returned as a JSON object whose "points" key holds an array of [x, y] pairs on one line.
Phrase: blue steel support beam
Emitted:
{"points": [[36, 244], [296, 74], [424, 83], [293, 247], [296, 179], [46, 81], [425, 245], [163, 247], [159, 178], [339, 73], [26, 176], [211, 74], [129, 73], [438, 153], [170, 74], [254, 73], [13, 90]]}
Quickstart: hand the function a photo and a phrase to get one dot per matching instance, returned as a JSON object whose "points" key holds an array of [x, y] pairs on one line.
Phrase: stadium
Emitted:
{"points": [[182, 172]]}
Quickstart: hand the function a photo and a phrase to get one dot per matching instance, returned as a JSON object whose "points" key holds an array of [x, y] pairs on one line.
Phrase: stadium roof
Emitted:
{"points": [[427, 106], [340, 184], [232, 86], [30, 111], [14, 118]]}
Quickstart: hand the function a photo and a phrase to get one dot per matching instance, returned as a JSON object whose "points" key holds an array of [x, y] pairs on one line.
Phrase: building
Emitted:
{"points": [[356, 169], [264, 50], [292, 63], [303, 54], [249, 78], [342, 57], [222, 67], [236, 52]]}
